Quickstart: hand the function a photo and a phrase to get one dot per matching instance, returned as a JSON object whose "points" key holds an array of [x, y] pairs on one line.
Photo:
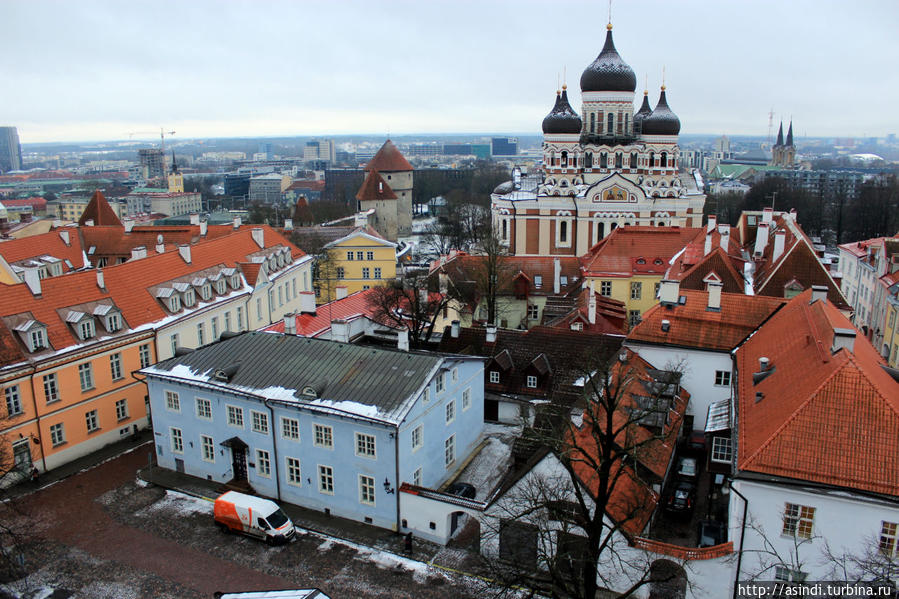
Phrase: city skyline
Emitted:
{"points": [[208, 69]]}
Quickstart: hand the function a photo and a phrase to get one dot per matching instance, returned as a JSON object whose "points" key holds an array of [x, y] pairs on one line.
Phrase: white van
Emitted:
{"points": [[253, 516]]}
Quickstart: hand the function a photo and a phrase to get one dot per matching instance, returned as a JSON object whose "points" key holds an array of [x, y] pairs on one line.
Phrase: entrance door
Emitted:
{"points": [[491, 410], [21, 452], [239, 463], [179, 465]]}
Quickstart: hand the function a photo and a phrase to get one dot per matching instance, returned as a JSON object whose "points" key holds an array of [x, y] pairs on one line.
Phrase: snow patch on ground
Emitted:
{"points": [[182, 504]]}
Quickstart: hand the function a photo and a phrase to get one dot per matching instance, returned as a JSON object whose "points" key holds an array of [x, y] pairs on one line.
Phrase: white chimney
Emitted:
{"points": [[33, 279], [491, 333], [100, 282], [591, 308], [290, 324], [713, 220], [669, 291], [288, 224], [402, 340], [340, 330], [763, 364], [761, 239], [708, 244], [666, 325], [236, 222], [139, 252], [184, 250], [341, 291], [724, 231], [64, 235], [819, 292], [557, 276], [455, 329], [307, 302], [129, 224], [793, 214], [715, 295], [258, 236], [204, 227], [843, 339], [360, 219], [767, 215], [194, 218], [89, 222], [779, 241]]}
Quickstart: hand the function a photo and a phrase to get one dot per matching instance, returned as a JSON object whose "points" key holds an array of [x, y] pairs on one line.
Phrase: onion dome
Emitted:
{"points": [[662, 121], [504, 188], [562, 119], [608, 72], [645, 109]]}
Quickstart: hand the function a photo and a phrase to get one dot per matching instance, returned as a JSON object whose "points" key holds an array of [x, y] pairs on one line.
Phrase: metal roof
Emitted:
{"points": [[718, 418], [337, 377]]}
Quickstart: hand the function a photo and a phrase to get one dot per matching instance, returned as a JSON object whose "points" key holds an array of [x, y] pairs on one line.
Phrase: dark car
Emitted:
{"points": [[462, 490], [710, 533], [682, 497]]}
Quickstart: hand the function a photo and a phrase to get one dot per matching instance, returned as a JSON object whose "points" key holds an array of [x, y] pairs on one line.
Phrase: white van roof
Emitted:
{"points": [[264, 506], [287, 594]]}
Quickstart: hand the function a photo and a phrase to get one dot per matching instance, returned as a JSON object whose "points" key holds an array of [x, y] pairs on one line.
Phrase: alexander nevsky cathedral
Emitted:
{"points": [[603, 168]]}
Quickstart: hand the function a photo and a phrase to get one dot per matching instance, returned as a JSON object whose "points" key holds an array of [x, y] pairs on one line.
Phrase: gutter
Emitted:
{"points": [[396, 448], [742, 534], [37, 418], [271, 412]]}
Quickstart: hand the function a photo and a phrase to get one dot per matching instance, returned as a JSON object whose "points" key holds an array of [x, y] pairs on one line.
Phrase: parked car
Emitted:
{"points": [[253, 516], [711, 533], [682, 497], [462, 490], [687, 468]]}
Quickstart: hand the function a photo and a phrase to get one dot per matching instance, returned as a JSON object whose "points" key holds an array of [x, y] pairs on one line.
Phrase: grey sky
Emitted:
{"points": [[90, 70]]}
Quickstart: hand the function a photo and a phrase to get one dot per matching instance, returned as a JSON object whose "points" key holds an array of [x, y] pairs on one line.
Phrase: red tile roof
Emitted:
{"points": [[45, 244], [692, 325], [38, 203], [830, 418], [113, 242], [621, 253], [388, 159], [717, 262], [99, 211], [374, 188], [311, 325]]}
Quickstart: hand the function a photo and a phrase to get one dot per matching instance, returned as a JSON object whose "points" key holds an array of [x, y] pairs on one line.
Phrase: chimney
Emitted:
{"points": [[204, 227], [779, 241], [761, 239], [491, 333], [32, 278], [819, 292], [56, 223], [129, 224], [763, 364], [591, 308], [715, 296], [455, 329], [443, 278], [139, 252], [236, 222], [259, 236], [288, 224], [194, 218], [557, 275], [793, 214], [64, 235], [843, 339], [724, 231], [708, 244], [669, 291], [340, 330], [290, 324], [184, 250], [160, 246], [767, 215], [100, 281], [402, 340], [666, 325], [307, 302], [713, 221], [89, 222], [341, 291], [360, 219]]}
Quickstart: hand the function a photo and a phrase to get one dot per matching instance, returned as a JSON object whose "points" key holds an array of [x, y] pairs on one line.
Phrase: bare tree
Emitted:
{"points": [[494, 277], [324, 270], [877, 562], [410, 303], [14, 521]]}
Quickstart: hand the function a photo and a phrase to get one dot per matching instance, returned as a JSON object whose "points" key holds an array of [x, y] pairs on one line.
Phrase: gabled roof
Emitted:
{"points": [[388, 159], [716, 262], [620, 253], [374, 187], [112, 241], [352, 306], [822, 416], [99, 211], [692, 324], [46, 244]]}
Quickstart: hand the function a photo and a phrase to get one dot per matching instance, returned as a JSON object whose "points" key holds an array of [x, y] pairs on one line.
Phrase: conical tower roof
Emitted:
{"points": [[99, 211], [375, 188], [780, 135], [389, 159], [790, 135]]}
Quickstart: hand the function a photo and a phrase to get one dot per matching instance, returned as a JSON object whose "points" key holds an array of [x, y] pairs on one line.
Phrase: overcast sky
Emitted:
{"points": [[86, 70]]}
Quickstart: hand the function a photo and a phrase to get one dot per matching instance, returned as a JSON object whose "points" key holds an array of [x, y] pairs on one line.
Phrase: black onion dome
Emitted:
{"points": [[645, 109], [662, 121], [504, 188], [562, 118], [608, 73]]}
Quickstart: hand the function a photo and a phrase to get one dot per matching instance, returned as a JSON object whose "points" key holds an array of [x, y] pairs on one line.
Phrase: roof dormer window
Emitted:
{"points": [[205, 291], [113, 322], [175, 303], [86, 329], [220, 286], [37, 339], [235, 281], [189, 298]]}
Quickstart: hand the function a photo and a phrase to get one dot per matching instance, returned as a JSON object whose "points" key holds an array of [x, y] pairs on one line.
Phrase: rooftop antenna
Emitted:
{"points": [[610, 12], [663, 77], [564, 75]]}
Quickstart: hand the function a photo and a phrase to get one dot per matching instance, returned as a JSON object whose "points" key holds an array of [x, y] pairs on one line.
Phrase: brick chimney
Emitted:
{"points": [[64, 235], [340, 292], [455, 329], [129, 224], [288, 224], [307, 302], [101, 283], [194, 219], [557, 276], [290, 324], [767, 215], [204, 226], [236, 222], [819, 292], [591, 308], [708, 244], [761, 239], [491, 333], [32, 278], [724, 231], [713, 221]]}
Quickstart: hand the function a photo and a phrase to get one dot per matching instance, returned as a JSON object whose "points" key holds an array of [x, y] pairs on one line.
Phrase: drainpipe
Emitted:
{"points": [[271, 413], [730, 485], [37, 419], [396, 448]]}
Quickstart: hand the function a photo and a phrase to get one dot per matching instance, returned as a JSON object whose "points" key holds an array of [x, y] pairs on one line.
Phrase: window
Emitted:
{"points": [[239, 318], [37, 339], [172, 402], [263, 463], [341, 273], [349, 256], [51, 387], [455, 374], [144, 355], [290, 429], [494, 376], [280, 296], [324, 436], [177, 440], [532, 382], [294, 476], [538, 281], [369, 255], [721, 450], [633, 317], [533, 311], [889, 531], [13, 401], [358, 255], [417, 437], [204, 409], [636, 290], [416, 477], [207, 447], [788, 574], [563, 232], [227, 321], [366, 489], [450, 411], [260, 422], [798, 520], [115, 366], [86, 329], [200, 339], [378, 272], [633, 160], [214, 323], [235, 416], [86, 376], [326, 480], [121, 409], [605, 288], [658, 288], [113, 323], [365, 445], [366, 273], [441, 382], [259, 308], [466, 399], [57, 434], [449, 451], [173, 340], [93, 423], [722, 378]]}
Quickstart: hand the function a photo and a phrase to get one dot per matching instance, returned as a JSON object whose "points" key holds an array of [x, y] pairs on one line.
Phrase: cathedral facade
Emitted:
{"points": [[603, 168]]}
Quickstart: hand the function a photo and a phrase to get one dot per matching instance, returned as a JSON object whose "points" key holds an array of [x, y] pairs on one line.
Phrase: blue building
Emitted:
{"points": [[321, 424]]}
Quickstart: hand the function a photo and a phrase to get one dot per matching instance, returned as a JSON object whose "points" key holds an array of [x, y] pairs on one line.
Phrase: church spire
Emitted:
{"points": [[790, 134], [780, 136]]}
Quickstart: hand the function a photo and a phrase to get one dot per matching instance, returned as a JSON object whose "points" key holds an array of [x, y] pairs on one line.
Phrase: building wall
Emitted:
{"points": [[384, 258], [385, 217], [401, 183], [621, 290]]}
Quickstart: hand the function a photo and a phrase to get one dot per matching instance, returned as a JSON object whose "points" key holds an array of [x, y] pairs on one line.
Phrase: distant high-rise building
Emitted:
{"points": [[319, 149], [10, 150], [153, 160], [266, 148], [504, 146]]}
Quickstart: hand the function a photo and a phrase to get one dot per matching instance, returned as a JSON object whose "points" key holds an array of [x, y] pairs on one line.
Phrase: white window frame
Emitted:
{"points": [[441, 382], [259, 422], [466, 399], [417, 477], [605, 288], [722, 378], [531, 381], [294, 471], [263, 463], [366, 490], [121, 410], [177, 440], [449, 451], [86, 376], [798, 521], [418, 434], [366, 446], [494, 377], [325, 479], [290, 429], [144, 351], [235, 415], [92, 421], [51, 387], [722, 450], [203, 408], [172, 401], [889, 538], [455, 374], [207, 448], [13, 400], [115, 366], [57, 434], [322, 436], [450, 411]]}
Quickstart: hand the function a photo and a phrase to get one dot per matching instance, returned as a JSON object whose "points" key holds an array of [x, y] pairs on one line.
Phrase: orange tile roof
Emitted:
{"points": [[312, 325], [620, 253], [717, 262], [112, 241], [374, 188], [692, 325], [388, 159], [99, 211], [830, 418], [45, 244]]}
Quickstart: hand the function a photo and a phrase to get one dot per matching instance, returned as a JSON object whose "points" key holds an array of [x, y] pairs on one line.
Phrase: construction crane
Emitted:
{"points": [[162, 134]]}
